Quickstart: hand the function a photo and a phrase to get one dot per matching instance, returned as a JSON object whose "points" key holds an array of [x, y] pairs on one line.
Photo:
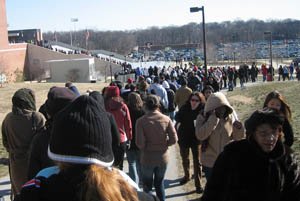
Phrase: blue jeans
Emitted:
{"points": [[158, 172], [171, 115], [134, 166], [207, 171]]}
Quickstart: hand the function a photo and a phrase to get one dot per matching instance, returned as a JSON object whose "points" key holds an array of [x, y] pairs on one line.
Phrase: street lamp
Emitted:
{"points": [[197, 9], [271, 63], [110, 67], [73, 20]]}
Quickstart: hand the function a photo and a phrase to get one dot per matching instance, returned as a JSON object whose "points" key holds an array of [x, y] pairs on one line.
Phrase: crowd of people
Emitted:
{"points": [[74, 146]]}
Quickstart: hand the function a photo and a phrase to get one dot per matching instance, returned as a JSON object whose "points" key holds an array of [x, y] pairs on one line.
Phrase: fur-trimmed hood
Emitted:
{"points": [[216, 100]]}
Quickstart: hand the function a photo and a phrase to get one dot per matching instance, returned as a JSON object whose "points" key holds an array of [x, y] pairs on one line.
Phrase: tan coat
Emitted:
{"points": [[218, 132], [155, 132]]}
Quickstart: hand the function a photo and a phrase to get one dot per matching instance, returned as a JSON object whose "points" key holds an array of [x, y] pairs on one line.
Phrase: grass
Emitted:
{"points": [[246, 102], [41, 90]]}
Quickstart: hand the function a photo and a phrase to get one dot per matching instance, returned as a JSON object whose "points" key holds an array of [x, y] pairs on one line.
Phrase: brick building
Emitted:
{"points": [[12, 56]]}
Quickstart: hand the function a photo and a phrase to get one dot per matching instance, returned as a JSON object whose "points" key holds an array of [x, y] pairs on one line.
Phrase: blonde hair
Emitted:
{"points": [[102, 184]]}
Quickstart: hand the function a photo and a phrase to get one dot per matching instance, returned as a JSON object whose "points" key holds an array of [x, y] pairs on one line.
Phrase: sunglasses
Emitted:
{"points": [[195, 100]]}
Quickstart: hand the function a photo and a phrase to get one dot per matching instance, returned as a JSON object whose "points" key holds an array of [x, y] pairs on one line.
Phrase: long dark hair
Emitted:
{"points": [[199, 95], [285, 108], [135, 101]]}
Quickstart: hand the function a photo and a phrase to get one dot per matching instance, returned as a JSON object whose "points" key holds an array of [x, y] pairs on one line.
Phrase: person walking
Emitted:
{"points": [[260, 167], [57, 99], [135, 106], [116, 107], [182, 94], [276, 101], [215, 127], [18, 130], [187, 139], [154, 134], [80, 145]]}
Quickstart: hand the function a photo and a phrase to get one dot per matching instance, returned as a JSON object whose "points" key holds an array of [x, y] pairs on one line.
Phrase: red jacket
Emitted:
{"points": [[122, 116], [264, 70]]}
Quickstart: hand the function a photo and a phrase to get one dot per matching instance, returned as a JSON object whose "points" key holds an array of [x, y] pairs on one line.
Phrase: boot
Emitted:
{"points": [[184, 180]]}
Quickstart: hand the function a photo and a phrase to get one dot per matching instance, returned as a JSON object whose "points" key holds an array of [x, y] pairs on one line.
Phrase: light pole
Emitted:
{"points": [[197, 9], [271, 56], [73, 20], [110, 67]]}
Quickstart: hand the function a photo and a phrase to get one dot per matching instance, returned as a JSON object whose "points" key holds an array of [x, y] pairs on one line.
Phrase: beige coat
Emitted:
{"points": [[154, 134], [218, 132]]}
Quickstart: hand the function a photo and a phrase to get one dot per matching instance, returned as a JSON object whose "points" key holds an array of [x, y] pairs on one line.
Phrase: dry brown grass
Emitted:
{"points": [[41, 90]]}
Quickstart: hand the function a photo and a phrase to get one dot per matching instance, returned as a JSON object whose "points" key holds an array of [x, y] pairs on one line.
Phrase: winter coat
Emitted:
{"points": [[122, 116], [186, 131], [17, 135], [214, 85], [161, 92], [38, 158], [217, 132], [182, 95], [52, 185], [154, 134], [288, 133], [243, 172], [134, 115], [171, 100]]}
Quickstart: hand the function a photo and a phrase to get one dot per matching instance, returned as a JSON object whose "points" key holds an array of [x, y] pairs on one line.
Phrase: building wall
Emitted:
{"points": [[36, 65], [12, 60], [3, 26]]}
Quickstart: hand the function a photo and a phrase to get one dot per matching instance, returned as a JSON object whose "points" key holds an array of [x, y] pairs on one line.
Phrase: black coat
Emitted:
{"points": [[134, 115], [288, 133], [186, 132], [243, 172], [39, 152]]}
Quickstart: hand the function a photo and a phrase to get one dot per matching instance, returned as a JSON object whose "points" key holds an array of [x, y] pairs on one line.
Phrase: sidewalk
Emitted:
{"points": [[174, 191]]}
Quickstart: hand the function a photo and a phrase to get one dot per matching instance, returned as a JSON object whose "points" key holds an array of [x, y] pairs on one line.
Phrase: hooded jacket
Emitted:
{"points": [[217, 132], [244, 172], [122, 116]]}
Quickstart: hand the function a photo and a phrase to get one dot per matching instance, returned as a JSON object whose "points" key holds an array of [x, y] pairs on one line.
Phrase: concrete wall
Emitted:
{"points": [[36, 57]]}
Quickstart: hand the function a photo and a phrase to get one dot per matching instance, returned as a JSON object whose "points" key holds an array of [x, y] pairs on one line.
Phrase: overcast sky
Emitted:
{"points": [[55, 15]]}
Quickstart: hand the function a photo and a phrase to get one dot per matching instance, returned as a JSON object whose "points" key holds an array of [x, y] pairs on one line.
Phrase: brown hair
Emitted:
{"points": [[143, 86], [199, 95], [135, 101], [285, 108], [102, 184]]}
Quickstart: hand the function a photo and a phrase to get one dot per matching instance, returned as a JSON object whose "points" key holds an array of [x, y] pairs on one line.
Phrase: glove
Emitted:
{"points": [[128, 143]]}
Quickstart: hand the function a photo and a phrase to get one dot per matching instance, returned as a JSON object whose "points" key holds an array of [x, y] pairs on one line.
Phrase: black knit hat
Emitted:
{"points": [[264, 116], [81, 134], [58, 98]]}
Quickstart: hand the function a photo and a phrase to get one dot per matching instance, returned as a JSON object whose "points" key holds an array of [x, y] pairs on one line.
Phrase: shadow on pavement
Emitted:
{"points": [[4, 183], [172, 183], [180, 194], [4, 161], [4, 192]]}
